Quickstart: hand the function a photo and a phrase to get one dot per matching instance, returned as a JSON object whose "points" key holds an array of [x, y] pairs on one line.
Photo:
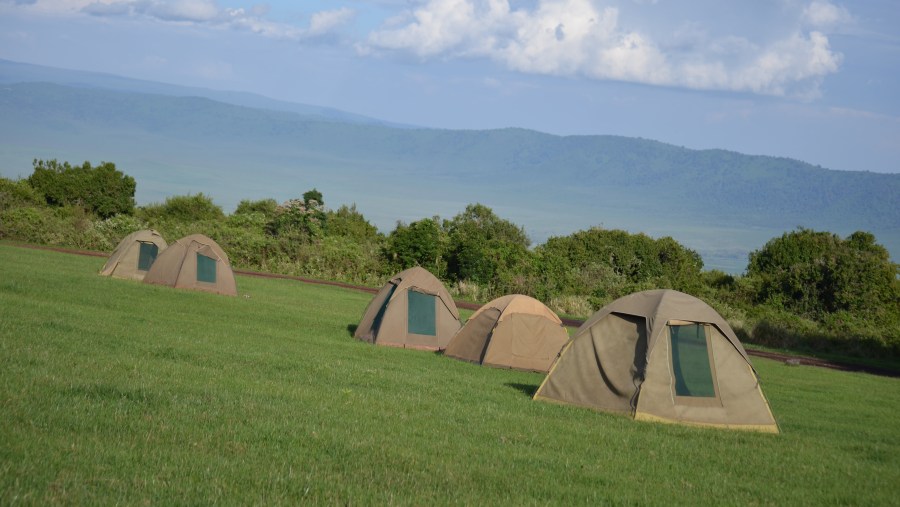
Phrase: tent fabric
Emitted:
{"points": [[412, 310], [134, 255], [194, 262], [513, 331], [660, 355]]}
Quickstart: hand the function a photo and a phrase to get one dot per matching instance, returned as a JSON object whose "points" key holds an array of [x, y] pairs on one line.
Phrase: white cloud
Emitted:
{"points": [[579, 38], [824, 15], [205, 12]]}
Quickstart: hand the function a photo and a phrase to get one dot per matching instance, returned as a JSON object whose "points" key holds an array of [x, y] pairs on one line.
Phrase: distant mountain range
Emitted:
{"points": [[177, 140]]}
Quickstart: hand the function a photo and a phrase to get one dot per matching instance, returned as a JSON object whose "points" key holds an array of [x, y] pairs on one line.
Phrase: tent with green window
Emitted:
{"points": [[660, 355], [134, 255], [514, 331], [412, 310], [194, 262]]}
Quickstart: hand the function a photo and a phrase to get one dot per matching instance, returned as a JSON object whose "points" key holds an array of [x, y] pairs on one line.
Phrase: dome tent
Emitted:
{"points": [[194, 262], [134, 255], [660, 355], [412, 310], [513, 331]]}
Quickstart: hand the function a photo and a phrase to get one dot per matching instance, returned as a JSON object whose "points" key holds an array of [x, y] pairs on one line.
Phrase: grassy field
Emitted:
{"points": [[117, 392]]}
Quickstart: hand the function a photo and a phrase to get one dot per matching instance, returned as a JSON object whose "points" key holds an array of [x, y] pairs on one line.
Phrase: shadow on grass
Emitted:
{"points": [[351, 328], [528, 389]]}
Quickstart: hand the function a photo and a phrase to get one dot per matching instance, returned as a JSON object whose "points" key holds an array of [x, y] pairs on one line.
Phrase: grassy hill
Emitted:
{"points": [[113, 391], [723, 204]]}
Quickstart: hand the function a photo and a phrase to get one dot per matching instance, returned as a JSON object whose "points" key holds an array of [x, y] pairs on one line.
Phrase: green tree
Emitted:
{"points": [[607, 264], [349, 222], [300, 219], [421, 243], [482, 246], [102, 190], [814, 274]]}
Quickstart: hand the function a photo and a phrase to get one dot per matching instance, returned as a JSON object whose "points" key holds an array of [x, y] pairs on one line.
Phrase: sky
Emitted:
{"points": [[813, 80]]}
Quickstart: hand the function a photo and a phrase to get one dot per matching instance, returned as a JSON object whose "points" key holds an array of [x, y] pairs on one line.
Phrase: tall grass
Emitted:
{"points": [[113, 391]]}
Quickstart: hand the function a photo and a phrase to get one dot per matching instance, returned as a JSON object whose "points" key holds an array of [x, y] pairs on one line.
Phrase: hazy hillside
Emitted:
{"points": [[15, 72], [723, 204]]}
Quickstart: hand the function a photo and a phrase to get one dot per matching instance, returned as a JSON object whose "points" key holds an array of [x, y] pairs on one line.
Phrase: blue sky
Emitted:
{"points": [[814, 80]]}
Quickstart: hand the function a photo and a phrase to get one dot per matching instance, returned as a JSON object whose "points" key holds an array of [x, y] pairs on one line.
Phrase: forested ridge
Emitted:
{"points": [[712, 199]]}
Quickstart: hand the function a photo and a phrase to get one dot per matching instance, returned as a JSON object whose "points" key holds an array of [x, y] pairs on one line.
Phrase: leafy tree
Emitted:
{"points": [[103, 189], [422, 243], [313, 198], [349, 222], [482, 245], [300, 219], [815, 273], [612, 263]]}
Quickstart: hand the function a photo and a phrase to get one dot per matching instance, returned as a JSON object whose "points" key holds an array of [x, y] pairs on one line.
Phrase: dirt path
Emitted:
{"points": [[785, 358]]}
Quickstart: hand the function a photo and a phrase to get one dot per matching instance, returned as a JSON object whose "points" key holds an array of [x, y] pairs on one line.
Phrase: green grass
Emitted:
{"points": [[117, 392]]}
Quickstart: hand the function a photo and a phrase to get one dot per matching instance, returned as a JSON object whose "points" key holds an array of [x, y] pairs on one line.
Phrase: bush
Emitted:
{"points": [[102, 190], [814, 274], [421, 243], [266, 207], [182, 208], [17, 193]]}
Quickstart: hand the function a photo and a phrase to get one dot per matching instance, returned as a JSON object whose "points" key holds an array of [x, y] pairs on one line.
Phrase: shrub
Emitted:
{"points": [[814, 274], [103, 189], [421, 243], [15, 193], [182, 208], [266, 207]]}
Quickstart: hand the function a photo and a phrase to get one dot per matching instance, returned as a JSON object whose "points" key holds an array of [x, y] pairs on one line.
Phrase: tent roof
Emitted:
{"points": [[422, 280], [659, 307], [518, 303]]}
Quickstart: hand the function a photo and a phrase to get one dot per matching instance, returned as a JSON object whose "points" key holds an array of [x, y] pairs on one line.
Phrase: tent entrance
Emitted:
{"points": [[147, 255], [376, 322], [421, 313], [206, 269], [693, 367]]}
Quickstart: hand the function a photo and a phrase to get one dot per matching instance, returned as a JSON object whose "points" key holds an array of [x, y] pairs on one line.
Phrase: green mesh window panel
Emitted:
{"points": [[206, 269], [147, 255], [421, 314], [690, 361]]}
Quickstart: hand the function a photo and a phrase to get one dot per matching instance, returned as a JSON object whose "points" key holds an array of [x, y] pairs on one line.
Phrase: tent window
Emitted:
{"points": [[691, 361], [147, 255], [421, 313], [206, 269]]}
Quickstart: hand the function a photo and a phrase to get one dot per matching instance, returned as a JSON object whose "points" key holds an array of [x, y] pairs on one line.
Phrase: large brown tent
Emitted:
{"points": [[660, 355], [412, 310], [134, 255], [513, 331], [194, 262]]}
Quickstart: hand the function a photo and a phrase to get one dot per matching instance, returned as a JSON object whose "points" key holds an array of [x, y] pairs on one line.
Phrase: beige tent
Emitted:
{"points": [[412, 310], [512, 331], [660, 355], [194, 262], [134, 255]]}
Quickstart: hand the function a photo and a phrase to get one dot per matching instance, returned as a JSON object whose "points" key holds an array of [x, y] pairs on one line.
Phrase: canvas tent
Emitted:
{"points": [[412, 310], [194, 262], [134, 255], [513, 331], [660, 355]]}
